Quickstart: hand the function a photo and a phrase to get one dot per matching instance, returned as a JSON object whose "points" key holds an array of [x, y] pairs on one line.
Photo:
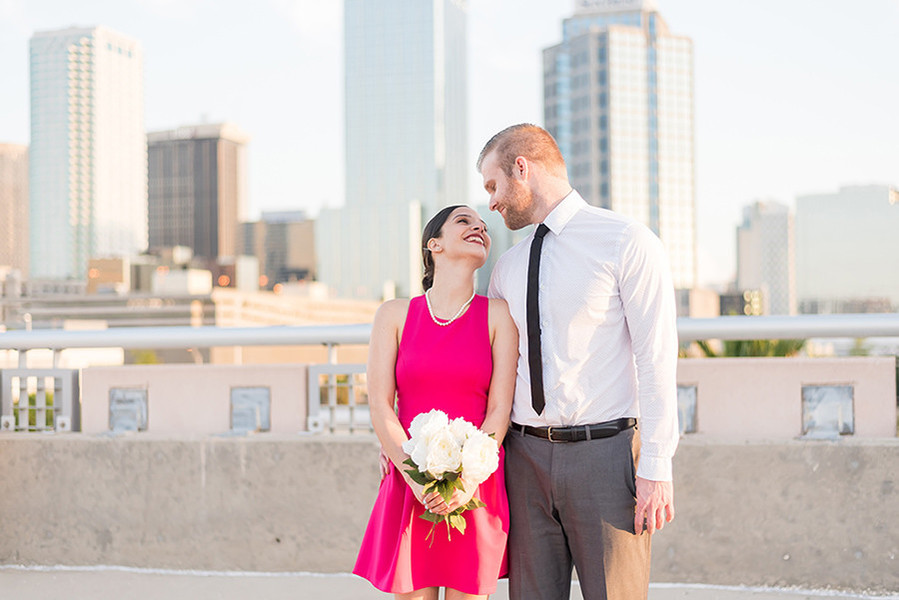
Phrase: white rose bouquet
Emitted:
{"points": [[442, 452]]}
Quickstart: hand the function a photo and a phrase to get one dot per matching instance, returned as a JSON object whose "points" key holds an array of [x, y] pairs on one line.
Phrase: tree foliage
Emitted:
{"points": [[747, 348]]}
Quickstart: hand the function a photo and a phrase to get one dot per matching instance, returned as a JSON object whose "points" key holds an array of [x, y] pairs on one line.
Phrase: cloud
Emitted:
{"points": [[13, 20], [316, 22], [173, 9]]}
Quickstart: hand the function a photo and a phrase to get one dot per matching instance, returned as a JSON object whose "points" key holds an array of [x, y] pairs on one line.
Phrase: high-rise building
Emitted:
{"points": [[847, 250], [88, 156], [284, 244], [618, 98], [197, 182], [766, 258], [406, 149], [14, 207]]}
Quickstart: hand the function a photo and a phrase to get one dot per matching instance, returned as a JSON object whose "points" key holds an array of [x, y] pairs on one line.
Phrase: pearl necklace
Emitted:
{"points": [[454, 317]]}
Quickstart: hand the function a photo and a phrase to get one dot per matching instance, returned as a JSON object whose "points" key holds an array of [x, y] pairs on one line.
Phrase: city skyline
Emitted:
{"points": [[781, 109]]}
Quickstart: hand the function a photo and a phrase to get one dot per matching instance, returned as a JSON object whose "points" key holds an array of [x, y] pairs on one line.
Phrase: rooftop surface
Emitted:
{"points": [[112, 583]]}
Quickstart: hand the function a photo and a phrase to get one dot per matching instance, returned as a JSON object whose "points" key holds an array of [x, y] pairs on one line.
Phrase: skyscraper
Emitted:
{"points": [[766, 258], [284, 244], [406, 123], [197, 181], [847, 250], [14, 207], [88, 156], [618, 98]]}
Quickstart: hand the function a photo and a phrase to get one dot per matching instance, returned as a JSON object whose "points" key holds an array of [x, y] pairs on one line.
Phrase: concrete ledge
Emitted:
{"points": [[808, 514], [800, 513], [259, 503]]}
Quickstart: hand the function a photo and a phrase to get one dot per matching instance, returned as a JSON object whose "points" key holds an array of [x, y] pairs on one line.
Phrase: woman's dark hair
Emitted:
{"points": [[434, 229]]}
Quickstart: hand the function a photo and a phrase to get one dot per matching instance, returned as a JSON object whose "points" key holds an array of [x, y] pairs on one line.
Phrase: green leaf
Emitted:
{"points": [[431, 517], [417, 476], [474, 503], [442, 488], [457, 521]]}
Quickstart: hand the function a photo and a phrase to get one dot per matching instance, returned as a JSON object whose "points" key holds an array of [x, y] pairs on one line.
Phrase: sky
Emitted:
{"points": [[793, 97]]}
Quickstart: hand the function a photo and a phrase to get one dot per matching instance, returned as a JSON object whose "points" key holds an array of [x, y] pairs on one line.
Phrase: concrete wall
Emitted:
{"points": [[194, 399], [811, 514], [761, 398], [740, 398]]}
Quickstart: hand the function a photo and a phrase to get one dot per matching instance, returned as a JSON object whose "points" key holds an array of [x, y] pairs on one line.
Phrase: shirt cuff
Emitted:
{"points": [[654, 468]]}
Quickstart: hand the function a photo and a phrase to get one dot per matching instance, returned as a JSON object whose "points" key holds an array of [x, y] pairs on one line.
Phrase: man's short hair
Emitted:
{"points": [[530, 141]]}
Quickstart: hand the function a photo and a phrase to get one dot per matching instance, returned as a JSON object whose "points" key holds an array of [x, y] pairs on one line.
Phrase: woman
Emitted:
{"points": [[457, 352]]}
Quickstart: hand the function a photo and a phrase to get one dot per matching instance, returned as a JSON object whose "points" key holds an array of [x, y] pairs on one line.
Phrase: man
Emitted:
{"points": [[594, 418]]}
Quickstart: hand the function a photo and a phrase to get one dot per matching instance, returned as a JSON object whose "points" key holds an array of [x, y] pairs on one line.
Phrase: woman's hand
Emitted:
{"points": [[418, 490], [435, 503]]}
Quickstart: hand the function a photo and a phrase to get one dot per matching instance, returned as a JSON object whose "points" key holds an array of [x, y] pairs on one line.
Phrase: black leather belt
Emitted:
{"points": [[578, 433]]}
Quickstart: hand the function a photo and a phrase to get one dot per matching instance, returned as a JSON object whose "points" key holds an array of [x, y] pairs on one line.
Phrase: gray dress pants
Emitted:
{"points": [[573, 504]]}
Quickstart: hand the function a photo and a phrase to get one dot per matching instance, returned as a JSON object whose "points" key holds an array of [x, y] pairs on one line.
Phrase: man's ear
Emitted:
{"points": [[522, 168]]}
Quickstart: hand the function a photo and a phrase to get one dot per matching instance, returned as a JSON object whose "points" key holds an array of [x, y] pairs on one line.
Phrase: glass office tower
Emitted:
{"points": [[88, 155], [406, 125], [618, 97]]}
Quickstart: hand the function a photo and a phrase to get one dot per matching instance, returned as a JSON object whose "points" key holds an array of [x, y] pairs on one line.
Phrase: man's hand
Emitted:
{"points": [[383, 464], [655, 505]]}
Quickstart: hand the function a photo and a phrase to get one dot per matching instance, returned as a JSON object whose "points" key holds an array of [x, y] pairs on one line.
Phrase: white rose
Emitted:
{"points": [[418, 452], [421, 430], [480, 457], [430, 421], [461, 429], [444, 454]]}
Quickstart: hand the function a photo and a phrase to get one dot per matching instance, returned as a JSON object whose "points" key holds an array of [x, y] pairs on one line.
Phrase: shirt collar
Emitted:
{"points": [[564, 212]]}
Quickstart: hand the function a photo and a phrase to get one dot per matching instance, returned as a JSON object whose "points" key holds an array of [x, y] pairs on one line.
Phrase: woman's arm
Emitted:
{"points": [[504, 348], [381, 375], [504, 342]]}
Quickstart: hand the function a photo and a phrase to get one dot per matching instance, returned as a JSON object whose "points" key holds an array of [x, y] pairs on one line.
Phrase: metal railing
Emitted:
{"points": [[19, 412], [343, 406], [789, 327], [335, 386]]}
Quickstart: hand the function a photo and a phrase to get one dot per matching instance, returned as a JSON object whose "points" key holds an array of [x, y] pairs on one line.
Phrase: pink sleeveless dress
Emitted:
{"points": [[448, 368]]}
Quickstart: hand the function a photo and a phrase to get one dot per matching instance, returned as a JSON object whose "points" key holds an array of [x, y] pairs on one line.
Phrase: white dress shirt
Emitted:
{"points": [[608, 327]]}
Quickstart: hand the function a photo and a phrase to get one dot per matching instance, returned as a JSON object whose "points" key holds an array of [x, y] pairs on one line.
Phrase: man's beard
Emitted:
{"points": [[519, 208]]}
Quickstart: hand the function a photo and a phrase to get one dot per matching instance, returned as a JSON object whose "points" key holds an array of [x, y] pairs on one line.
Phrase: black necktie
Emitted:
{"points": [[533, 313]]}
